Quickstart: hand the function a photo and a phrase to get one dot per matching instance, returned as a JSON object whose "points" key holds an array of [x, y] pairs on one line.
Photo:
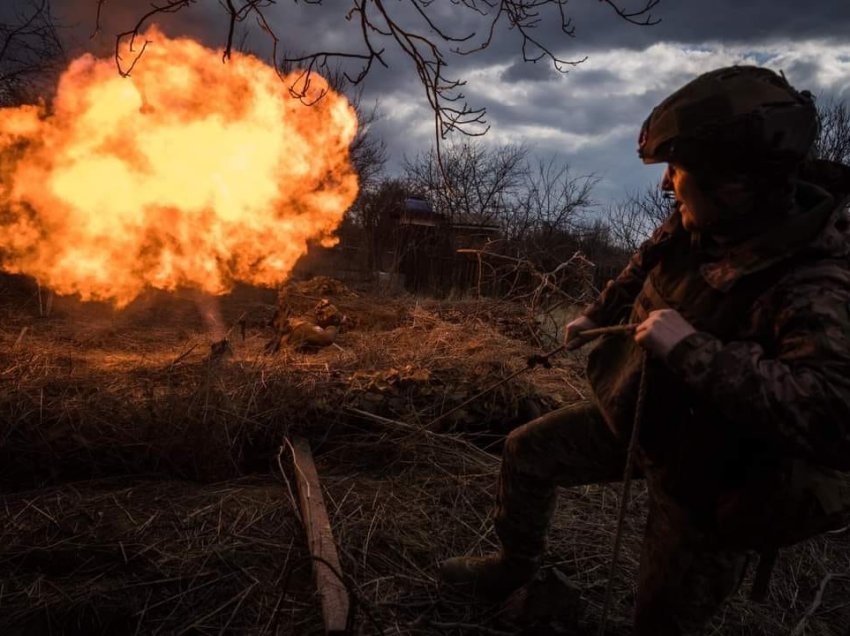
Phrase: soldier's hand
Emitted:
{"points": [[662, 331], [572, 332]]}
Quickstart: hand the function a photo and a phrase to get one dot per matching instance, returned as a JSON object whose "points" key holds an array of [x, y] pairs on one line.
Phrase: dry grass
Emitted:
{"points": [[140, 555], [142, 492]]}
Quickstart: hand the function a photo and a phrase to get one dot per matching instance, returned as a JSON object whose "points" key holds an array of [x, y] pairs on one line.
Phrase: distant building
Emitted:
{"points": [[472, 231], [425, 244], [419, 211]]}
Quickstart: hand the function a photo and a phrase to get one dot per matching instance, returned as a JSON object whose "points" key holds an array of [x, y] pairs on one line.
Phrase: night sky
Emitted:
{"points": [[588, 117]]}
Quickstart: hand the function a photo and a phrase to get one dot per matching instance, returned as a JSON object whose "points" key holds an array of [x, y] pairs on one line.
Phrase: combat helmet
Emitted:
{"points": [[739, 118]]}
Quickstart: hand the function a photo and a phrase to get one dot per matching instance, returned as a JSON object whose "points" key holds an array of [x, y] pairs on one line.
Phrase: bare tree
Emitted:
{"points": [[531, 202], [632, 221], [833, 143], [549, 202], [539, 207], [31, 53], [368, 151], [474, 179], [411, 28]]}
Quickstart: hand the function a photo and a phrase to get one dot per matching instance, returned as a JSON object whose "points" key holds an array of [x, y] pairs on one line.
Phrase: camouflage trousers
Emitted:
{"points": [[684, 574]]}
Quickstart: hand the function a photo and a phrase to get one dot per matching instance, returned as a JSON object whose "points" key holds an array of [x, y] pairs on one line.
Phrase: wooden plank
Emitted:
{"points": [[332, 592]]}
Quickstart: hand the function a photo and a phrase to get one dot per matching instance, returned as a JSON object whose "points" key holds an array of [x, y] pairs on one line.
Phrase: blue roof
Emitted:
{"points": [[418, 205]]}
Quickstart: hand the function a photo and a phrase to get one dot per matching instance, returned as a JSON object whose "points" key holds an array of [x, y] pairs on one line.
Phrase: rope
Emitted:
{"points": [[628, 473]]}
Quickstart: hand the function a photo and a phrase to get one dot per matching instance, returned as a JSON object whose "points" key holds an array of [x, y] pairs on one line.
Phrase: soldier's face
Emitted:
{"points": [[698, 210]]}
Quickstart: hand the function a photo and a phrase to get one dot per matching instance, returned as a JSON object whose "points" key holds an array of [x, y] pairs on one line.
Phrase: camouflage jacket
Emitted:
{"points": [[747, 418]]}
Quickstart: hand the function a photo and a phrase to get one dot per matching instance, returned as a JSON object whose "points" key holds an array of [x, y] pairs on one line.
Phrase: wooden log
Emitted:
{"points": [[326, 568]]}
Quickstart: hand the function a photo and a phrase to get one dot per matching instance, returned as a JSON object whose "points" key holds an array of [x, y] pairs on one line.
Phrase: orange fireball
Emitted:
{"points": [[189, 172]]}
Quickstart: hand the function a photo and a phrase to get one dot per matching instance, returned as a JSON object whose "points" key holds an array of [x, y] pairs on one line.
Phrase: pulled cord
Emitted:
{"points": [[628, 473]]}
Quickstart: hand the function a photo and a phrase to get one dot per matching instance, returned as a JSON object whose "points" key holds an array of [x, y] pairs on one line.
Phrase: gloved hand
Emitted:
{"points": [[572, 332], [662, 331]]}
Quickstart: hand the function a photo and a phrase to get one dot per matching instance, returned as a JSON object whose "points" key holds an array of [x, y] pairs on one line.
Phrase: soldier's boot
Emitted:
{"points": [[492, 577]]}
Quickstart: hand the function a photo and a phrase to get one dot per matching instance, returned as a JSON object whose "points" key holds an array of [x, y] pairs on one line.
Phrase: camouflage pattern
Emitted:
{"points": [[684, 574], [568, 447], [755, 406], [744, 424], [736, 117]]}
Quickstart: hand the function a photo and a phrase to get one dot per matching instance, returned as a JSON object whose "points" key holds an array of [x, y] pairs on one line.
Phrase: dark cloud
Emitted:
{"points": [[686, 22], [752, 21], [522, 71], [697, 21], [78, 21], [590, 115], [590, 78], [306, 27]]}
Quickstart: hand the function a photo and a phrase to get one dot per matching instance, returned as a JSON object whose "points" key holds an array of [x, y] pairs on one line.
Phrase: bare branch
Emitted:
{"points": [[422, 45], [632, 221], [130, 35], [640, 17], [471, 180], [833, 143], [31, 53], [235, 15]]}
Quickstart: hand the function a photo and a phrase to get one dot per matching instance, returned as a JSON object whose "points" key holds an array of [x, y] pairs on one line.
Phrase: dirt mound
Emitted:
{"points": [[321, 286]]}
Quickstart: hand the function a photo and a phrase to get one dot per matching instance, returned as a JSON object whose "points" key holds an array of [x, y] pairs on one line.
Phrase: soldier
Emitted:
{"points": [[743, 302]]}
